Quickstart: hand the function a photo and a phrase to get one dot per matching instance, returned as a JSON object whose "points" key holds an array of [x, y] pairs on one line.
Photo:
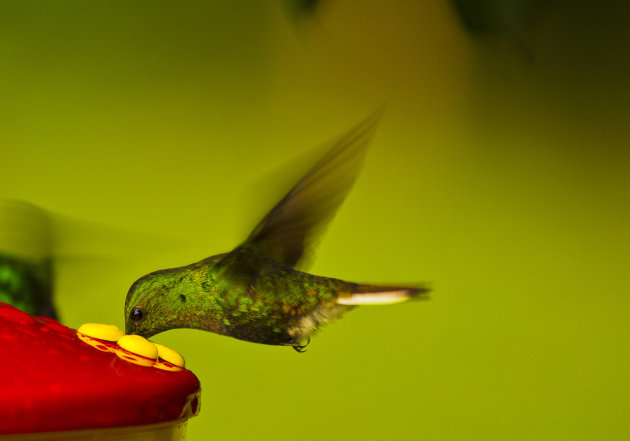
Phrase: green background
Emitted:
{"points": [[499, 173]]}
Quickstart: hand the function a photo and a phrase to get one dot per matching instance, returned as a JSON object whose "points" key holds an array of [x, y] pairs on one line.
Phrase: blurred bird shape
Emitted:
{"points": [[34, 242], [26, 267]]}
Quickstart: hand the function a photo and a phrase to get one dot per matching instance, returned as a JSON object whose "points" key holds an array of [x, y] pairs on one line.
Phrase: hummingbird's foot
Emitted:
{"points": [[302, 348]]}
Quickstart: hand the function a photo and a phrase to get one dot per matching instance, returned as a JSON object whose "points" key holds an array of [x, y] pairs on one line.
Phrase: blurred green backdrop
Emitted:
{"points": [[500, 173]]}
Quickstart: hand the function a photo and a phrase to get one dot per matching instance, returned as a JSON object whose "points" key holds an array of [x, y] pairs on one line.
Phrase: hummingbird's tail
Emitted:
{"points": [[380, 295]]}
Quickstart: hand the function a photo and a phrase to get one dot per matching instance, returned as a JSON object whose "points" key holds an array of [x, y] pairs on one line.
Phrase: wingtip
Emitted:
{"points": [[371, 122]]}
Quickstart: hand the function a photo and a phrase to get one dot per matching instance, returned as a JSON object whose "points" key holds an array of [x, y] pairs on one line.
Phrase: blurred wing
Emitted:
{"points": [[39, 247], [288, 231], [33, 233], [26, 231]]}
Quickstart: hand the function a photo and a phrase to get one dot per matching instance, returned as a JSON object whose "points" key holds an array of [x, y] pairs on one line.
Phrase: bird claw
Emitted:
{"points": [[302, 348]]}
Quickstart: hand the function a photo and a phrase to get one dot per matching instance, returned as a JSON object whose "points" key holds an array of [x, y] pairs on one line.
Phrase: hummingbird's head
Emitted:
{"points": [[158, 302]]}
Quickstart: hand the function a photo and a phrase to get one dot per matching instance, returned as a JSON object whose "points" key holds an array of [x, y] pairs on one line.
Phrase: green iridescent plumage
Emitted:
{"points": [[27, 285], [26, 263], [255, 293]]}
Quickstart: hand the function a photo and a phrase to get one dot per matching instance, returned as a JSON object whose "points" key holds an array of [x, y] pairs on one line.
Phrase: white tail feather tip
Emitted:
{"points": [[374, 298]]}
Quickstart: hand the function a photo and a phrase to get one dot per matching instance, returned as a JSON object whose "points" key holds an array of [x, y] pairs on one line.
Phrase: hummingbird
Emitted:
{"points": [[27, 272], [27, 285], [256, 291], [37, 245]]}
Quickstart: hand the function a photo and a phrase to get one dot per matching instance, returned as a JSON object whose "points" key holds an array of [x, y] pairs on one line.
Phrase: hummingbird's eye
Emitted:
{"points": [[137, 314]]}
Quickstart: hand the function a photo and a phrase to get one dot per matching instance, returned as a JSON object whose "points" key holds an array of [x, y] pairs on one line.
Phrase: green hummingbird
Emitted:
{"points": [[36, 245], [27, 285], [255, 293], [26, 263]]}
